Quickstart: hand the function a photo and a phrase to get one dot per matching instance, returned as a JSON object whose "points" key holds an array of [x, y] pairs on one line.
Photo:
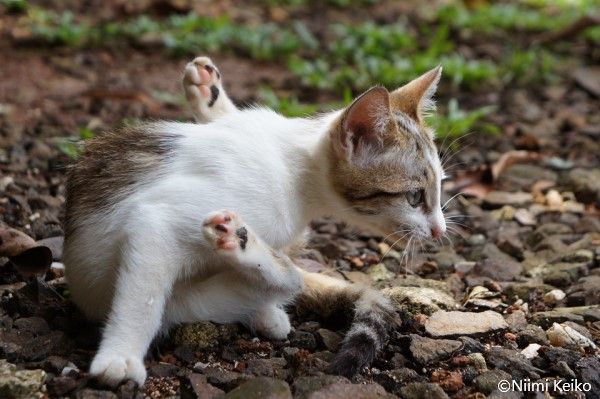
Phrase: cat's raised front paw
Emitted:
{"points": [[113, 368], [226, 231], [202, 76]]}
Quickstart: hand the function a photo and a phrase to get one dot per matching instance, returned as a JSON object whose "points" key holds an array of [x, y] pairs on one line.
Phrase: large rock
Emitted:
{"points": [[523, 176], [393, 380], [558, 315], [498, 270], [532, 334], [271, 367], [523, 290], [586, 184], [89, 393], [426, 350], [379, 272], [589, 370], [512, 362], [585, 292], [261, 388], [420, 300], [354, 391], [488, 381], [420, 390], [305, 385], [416, 281], [330, 339], [303, 339], [199, 387], [497, 199], [225, 379], [452, 324], [20, 383], [200, 335]]}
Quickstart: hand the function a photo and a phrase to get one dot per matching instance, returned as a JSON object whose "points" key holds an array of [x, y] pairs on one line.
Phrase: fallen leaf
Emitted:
{"points": [[588, 79], [510, 158], [13, 242], [28, 257], [480, 181], [33, 261]]}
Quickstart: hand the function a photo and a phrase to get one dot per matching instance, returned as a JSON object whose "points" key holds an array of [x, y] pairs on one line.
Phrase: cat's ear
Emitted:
{"points": [[415, 98], [365, 124]]}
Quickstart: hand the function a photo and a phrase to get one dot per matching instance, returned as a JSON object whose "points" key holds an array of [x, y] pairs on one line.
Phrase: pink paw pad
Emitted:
{"points": [[226, 230]]}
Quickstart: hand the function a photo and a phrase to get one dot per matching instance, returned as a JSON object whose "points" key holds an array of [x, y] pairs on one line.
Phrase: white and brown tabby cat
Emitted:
{"points": [[178, 222]]}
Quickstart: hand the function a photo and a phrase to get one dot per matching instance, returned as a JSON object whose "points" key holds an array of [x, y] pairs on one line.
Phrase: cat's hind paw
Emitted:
{"points": [[202, 81], [111, 369], [226, 231]]}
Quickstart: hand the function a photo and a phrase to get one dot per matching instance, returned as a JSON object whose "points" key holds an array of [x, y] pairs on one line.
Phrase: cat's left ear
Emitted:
{"points": [[366, 126], [416, 97]]}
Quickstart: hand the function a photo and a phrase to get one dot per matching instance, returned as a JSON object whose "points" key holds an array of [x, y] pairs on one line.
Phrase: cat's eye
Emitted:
{"points": [[415, 197]]}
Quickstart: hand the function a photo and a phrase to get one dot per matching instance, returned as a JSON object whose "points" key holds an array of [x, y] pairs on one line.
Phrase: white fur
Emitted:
{"points": [[148, 253], [146, 263]]}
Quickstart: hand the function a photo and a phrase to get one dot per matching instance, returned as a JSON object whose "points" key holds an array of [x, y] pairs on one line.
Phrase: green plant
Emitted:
{"points": [[288, 106], [72, 146], [508, 16], [457, 122], [14, 6], [534, 65], [57, 29]]}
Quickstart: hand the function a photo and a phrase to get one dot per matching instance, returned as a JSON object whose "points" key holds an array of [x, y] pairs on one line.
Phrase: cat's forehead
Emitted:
{"points": [[420, 151], [403, 168]]}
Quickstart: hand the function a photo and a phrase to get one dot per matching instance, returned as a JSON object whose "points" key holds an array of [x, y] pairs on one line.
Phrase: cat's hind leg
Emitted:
{"points": [[202, 83], [147, 271]]}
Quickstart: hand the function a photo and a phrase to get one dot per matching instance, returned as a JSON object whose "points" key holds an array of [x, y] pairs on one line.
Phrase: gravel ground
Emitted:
{"points": [[513, 293]]}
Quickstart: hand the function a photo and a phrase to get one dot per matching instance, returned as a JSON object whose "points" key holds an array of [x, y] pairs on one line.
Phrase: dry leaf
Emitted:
{"points": [[13, 242]]}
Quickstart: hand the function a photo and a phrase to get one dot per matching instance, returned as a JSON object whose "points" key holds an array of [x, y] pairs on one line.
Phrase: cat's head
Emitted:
{"points": [[385, 164]]}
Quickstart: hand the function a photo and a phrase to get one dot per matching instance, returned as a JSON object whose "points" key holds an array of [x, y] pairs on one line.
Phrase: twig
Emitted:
{"points": [[568, 32]]}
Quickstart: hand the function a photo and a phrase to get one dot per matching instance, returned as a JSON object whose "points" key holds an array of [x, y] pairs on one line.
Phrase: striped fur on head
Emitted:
{"points": [[385, 164]]}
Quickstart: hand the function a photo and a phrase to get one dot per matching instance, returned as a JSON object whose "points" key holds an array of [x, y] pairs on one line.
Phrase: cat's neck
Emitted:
{"points": [[313, 156]]}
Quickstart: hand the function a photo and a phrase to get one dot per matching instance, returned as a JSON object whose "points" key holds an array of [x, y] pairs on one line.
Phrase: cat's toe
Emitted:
{"points": [[273, 323], [112, 369], [205, 64], [203, 75], [225, 230]]}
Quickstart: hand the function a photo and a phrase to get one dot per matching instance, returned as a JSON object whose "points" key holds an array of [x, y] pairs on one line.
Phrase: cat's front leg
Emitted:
{"points": [[273, 274], [236, 243], [202, 83]]}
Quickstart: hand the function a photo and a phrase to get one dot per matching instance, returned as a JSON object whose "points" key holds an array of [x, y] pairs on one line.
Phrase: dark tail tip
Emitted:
{"points": [[357, 351]]}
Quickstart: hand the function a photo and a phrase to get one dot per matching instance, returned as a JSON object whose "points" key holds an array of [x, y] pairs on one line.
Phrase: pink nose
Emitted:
{"points": [[435, 232]]}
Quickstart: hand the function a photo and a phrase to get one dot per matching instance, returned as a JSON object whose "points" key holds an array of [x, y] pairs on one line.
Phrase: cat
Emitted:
{"points": [[171, 222]]}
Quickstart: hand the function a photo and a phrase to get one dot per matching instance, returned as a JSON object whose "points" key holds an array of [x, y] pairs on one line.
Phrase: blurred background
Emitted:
{"points": [[518, 126], [72, 68], [518, 75]]}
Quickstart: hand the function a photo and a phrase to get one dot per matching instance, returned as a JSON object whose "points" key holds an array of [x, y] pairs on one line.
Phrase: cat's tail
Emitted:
{"points": [[373, 317]]}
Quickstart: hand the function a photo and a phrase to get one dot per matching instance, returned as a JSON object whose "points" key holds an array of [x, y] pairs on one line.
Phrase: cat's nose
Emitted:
{"points": [[435, 232]]}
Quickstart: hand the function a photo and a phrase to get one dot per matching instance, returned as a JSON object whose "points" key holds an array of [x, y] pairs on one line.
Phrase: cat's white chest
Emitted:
{"points": [[247, 167]]}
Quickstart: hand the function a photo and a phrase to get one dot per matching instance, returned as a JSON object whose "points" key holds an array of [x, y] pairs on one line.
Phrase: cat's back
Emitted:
{"points": [[251, 135], [236, 155]]}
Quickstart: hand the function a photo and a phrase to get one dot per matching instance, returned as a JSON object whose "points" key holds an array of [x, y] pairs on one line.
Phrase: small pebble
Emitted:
{"points": [[531, 351], [554, 296], [510, 336]]}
